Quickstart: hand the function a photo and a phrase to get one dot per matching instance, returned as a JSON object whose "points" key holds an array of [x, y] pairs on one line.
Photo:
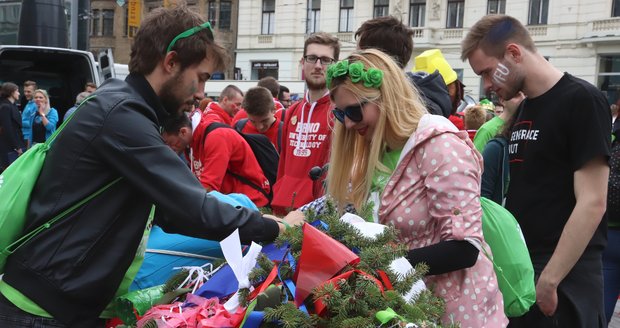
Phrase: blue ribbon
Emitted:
{"points": [[319, 223]]}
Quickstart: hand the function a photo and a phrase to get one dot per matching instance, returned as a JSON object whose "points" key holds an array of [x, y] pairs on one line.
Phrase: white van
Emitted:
{"points": [[62, 72]]}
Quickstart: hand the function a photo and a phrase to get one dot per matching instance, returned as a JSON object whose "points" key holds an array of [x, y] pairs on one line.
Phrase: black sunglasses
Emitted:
{"points": [[353, 112]]}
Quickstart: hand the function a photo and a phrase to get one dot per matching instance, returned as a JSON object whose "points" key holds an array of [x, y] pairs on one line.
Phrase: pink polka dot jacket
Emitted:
{"points": [[434, 195]]}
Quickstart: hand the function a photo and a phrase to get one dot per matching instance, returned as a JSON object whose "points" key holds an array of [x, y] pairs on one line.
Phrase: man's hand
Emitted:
{"points": [[295, 218], [546, 295], [292, 219]]}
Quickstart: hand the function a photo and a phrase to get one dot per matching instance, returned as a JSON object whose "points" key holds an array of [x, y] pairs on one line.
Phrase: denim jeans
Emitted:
{"points": [[12, 316], [611, 272]]}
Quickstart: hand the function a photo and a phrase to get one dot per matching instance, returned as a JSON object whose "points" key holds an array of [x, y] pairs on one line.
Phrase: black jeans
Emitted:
{"points": [[13, 317]]}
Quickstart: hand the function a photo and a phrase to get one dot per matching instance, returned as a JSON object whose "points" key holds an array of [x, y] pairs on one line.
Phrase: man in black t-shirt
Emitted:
{"points": [[559, 145]]}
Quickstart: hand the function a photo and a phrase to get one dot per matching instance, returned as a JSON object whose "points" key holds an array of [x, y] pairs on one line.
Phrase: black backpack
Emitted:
{"points": [[265, 153]]}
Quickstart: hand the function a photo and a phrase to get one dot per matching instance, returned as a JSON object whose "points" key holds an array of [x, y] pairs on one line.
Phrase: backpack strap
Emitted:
{"points": [[10, 249], [280, 126], [240, 125], [283, 115], [245, 181]]}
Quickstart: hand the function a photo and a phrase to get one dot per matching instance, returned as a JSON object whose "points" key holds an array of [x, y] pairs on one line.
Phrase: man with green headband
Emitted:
{"points": [[67, 274]]}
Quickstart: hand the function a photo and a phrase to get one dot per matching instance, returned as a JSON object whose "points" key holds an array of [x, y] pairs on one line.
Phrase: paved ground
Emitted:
{"points": [[615, 320]]}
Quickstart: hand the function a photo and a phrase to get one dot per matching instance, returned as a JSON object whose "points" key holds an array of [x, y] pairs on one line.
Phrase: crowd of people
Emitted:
{"points": [[377, 133]]}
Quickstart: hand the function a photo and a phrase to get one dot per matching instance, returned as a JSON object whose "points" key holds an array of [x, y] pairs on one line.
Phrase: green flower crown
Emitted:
{"points": [[372, 78]]}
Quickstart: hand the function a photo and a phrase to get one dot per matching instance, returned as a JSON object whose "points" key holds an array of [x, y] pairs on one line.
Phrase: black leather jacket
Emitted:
{"points": [[73, 269]]}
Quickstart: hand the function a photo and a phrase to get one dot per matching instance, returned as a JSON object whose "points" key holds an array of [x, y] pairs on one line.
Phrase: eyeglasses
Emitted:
{"points": [[191, 32], [353, 112], [324, 60]]}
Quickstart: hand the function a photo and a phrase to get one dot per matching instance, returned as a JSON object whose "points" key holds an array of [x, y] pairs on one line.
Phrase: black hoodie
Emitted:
{"points": [[433, 91]]}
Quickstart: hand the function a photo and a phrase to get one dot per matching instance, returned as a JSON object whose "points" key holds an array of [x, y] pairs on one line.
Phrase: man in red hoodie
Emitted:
{"points": [[307, 128], [229, 104], [261, 119], [222, 159]]}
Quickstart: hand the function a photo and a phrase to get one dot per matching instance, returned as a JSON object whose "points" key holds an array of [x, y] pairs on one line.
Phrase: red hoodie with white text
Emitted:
{"points": [[306, 137]]}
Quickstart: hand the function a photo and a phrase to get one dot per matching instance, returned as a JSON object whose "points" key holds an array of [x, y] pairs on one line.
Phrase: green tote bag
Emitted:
{"points": [[511, 259], [16, 184]]}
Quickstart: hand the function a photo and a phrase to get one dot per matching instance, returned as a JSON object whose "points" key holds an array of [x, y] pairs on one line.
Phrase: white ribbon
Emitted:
{"points": [[240, 265], [202, 275]]}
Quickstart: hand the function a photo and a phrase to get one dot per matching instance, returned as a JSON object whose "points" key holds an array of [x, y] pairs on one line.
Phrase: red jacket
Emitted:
{"points": [[312, 122], [225, 150], [213, 108]]}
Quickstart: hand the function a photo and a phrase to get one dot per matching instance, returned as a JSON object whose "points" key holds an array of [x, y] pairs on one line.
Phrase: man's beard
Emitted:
{"points": [[312, 85], [169, 95]]}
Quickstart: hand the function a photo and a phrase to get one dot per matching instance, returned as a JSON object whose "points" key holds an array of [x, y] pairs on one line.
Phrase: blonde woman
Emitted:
{"points": [[423, 175], [42, 119]]}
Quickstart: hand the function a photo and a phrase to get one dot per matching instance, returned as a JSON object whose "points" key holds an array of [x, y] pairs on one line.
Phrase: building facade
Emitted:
{"points": [[578, 36], [110, 26]]}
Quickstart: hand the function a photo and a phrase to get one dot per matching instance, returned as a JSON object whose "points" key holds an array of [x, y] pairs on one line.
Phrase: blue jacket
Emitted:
{"points": [[29, 117]]}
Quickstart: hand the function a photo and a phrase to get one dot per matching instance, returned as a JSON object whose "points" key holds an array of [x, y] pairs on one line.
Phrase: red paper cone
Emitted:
{"points": [[321, 258]]}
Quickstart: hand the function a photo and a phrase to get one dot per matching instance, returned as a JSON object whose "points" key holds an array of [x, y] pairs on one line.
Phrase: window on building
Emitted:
{"points": [[539, 9], [456, 9], [609, 77], [225, 13], [108, 22], [417, 13], [381, 8], [496, 7], [314, 16], [615, 10], [261, 69], [9, 22], [95, 31], [126, 21], [269, 16], [211, 12], [346, 16]]}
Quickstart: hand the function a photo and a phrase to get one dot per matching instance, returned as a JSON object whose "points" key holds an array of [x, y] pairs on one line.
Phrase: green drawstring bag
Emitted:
{"points": [[511, 259], [16, 184]]}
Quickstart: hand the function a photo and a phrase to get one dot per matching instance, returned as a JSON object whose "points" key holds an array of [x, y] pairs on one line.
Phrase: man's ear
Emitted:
{"points": [[514, 52], [170, 61], [185, 130]]}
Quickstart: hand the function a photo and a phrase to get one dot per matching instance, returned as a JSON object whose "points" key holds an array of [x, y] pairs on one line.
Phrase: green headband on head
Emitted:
{"points": [[189, 33], [372, 77]]}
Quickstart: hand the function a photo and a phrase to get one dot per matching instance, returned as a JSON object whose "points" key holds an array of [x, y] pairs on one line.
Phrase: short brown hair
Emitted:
{"points": [[230, 91], [492, 33], [388, 34], [29, 83], [270, 84], [324, 39], [160, 27], [7, 89], [474, 117], [90, 85], [258, 101]]}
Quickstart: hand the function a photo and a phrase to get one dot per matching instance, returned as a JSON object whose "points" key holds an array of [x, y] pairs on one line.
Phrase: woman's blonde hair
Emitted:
{"points": [[47, 98], [353, 160]]}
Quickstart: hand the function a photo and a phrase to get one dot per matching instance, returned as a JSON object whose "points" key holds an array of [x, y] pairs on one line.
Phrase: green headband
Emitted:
{"points": [[372, 78], [189, 33]]}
